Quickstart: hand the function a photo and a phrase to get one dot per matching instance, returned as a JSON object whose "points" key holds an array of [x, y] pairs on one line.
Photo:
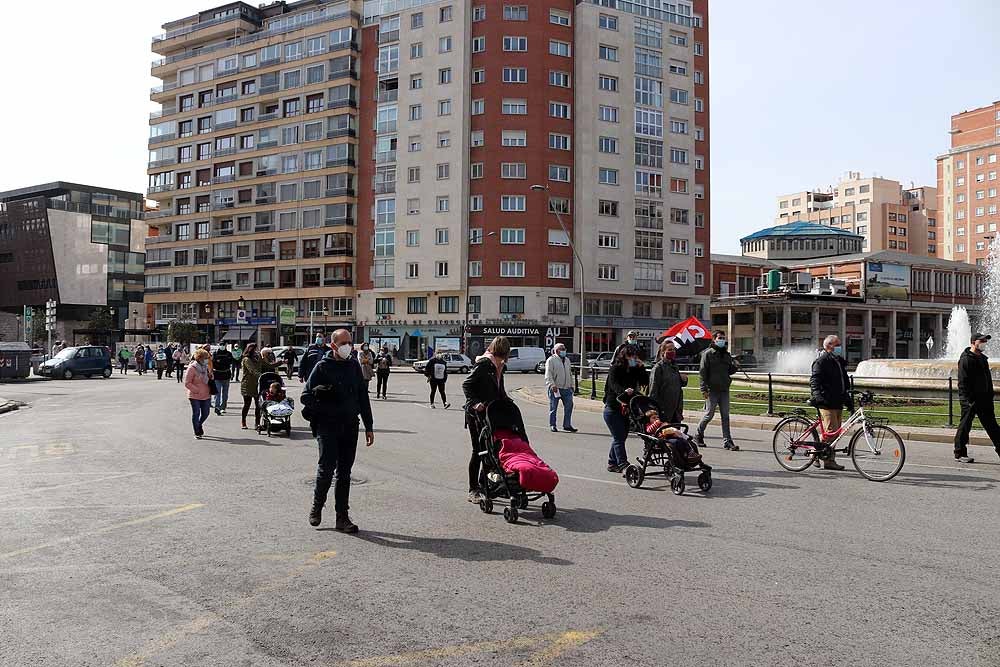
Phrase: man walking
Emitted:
{"points": [[335, 395], [222, 362], [975, 394], [289, 356], [716, 370], [237, 353], [383, 365], [831, 392], [314, 353], [437, 375], [559, 385]]}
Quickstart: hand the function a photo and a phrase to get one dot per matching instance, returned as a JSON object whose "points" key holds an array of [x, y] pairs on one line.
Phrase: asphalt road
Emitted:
{"points": [[126, 542]]}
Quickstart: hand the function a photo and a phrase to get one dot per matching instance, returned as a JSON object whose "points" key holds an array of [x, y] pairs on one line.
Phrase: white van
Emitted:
{"points": [[525, 359]]}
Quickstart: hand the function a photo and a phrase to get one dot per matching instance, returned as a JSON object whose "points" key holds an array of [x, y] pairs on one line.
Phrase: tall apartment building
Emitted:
{"points": [[426, 123], [253, 164], [886, 215], [603, 104], [967, 185]]}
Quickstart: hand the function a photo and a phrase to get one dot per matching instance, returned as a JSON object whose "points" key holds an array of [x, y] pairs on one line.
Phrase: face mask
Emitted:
{"points": [[670, 354], [981, 346], [721, 343], [632, 363], [839, 351], [344, 351], [562, 354], [319, 341]]}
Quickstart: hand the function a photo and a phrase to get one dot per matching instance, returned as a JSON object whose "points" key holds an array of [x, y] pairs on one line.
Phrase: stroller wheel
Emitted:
{"points": [[486, 505], [677, 485], [510, 514], [634, 476], [549, 509], [705, 482]]}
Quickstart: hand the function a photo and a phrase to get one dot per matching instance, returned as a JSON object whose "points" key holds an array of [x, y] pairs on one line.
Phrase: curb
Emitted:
{"points": [[767, 423]]}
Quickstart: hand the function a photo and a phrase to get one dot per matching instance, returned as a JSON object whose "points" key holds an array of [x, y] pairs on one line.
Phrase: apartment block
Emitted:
{"points": [[967, 185], [883, 212], [253, 163]]}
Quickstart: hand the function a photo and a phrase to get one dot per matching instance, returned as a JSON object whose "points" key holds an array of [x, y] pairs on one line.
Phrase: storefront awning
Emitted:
{"points": [[240, 333]]}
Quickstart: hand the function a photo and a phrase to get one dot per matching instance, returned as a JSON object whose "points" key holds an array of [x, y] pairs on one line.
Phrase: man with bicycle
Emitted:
{"points": [[831, 392]]}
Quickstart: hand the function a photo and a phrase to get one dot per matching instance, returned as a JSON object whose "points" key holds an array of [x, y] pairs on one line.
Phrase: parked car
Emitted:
{"points": [[525, 359], [574, 361], [85, 360], [747, 360], [456, 363], [280, 350], [602, 361]]}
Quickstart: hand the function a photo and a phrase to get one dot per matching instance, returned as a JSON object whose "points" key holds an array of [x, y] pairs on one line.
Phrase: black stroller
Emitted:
{"points": [[675, 454], [494, 481], [273, 416]]}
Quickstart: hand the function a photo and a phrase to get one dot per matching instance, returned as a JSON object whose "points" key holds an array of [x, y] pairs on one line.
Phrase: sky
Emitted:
{"points": [[801, 92]]}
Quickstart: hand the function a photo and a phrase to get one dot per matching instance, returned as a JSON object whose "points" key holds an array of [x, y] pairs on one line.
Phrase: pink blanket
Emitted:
{"points": [[517, 456]]}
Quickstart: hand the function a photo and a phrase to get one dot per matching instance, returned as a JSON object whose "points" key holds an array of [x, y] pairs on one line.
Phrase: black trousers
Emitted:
{"points": [[982, 408], [475, 461], [438, 386], [338, 446], [256, 408], [383, 383]]}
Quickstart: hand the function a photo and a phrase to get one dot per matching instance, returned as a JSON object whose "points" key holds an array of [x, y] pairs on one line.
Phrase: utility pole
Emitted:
{"points": [[50, 323]]}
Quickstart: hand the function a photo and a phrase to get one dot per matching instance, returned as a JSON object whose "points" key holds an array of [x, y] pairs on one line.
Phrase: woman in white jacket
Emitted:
{"points": [[559, 386]]}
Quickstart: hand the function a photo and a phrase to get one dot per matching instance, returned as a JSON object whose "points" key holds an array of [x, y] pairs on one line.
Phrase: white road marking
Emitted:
{"points": [[592, 479]]}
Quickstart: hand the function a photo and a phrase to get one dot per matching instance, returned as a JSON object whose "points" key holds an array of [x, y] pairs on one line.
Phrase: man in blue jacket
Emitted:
{"points": [[335, 395]]}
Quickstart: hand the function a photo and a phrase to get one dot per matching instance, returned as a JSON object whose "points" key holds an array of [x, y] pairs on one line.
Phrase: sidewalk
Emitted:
{"points": [[538, 396]]}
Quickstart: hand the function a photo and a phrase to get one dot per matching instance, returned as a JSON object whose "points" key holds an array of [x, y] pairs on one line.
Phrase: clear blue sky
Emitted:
{"points": [[805, 90], [802, 90]]}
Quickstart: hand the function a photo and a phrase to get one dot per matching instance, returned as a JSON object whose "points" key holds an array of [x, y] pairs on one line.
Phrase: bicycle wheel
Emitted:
{"points": [[877, 452], [794, 448]]}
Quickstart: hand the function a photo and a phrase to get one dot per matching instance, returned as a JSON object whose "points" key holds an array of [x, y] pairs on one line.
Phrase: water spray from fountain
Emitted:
{"points": [[959, 331]]}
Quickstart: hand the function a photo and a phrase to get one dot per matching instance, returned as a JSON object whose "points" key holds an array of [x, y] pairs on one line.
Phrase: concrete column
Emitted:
{"points": [[730, 328], [815, 328], [866, 346], [758, 333], [786, 327], [892, 334], [938, 334], [842, 328], [915, 343]]}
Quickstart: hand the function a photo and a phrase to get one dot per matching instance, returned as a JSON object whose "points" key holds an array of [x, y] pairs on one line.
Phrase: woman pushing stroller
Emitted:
{"points": [[626, 375], [483, 386]]}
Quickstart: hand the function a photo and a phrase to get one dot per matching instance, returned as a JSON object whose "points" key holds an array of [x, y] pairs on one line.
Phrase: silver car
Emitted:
{"points": [[456, 363]]}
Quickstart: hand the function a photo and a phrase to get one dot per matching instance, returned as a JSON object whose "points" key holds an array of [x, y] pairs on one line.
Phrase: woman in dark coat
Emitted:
{"points": [[626, 375], [483, 386], [666, 386]]}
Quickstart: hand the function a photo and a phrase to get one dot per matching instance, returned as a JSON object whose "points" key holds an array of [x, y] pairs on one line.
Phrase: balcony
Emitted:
{"points": [[166, 86], [342, 132], [165, 111], [264, 200], [227, 97], [269, 116], [157, 239], [343, 162], [259, 257], [385, 188], [157, 263], [153, 215], [160, 188], [341, 73], [225, 231], [385, 157], [222, 285], [338, 252], [157, 290], [343, 102], [339, 192], [263, 285], [159, 139], [162, 163], [648, 285], [262, 227], [338, 282], [346, 220], [227, 178], [390, 36], [267, 90], [387, 96]]}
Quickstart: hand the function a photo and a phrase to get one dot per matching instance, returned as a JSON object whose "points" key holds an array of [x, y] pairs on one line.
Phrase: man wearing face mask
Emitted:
{"points": [[716, 370], [313, 354], [975, 394], [831, 392], [559, 383], [631, 339], [335, 395]]}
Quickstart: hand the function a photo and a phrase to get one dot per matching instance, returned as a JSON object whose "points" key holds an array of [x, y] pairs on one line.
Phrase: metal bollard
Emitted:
{"points": [[770, 395], [593, 383], [576, 381], [951, 404]]}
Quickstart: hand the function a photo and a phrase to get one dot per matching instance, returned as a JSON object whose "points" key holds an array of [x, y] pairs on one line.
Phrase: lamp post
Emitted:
{"points": [[135, 322], [582, 351]]}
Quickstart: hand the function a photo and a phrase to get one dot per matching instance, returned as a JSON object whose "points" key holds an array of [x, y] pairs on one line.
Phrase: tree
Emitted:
{"points": [[101, 320], [182, 331]]}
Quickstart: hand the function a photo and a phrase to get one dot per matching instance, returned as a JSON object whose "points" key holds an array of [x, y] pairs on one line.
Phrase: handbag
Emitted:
{"points": [[212, 389]]}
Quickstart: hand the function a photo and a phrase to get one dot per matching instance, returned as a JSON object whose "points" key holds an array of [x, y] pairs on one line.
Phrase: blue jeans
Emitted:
{"points": [[619, 432], [199, 413], [221, 394], [566, 396]]}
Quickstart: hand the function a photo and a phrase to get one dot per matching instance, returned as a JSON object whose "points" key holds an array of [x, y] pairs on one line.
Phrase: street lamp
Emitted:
{"points": [[241, 304], [582, 351], [135, 322]]}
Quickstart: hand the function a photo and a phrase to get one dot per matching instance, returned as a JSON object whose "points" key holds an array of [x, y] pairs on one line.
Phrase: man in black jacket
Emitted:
{"points": [[313, 354], [222, 365], [831, 391], [975, 394], [335, 395], [715, 373], [437, 375]]}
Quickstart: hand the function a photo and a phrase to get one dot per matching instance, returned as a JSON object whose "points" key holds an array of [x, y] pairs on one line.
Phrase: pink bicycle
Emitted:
{"points": [[876, 451]]}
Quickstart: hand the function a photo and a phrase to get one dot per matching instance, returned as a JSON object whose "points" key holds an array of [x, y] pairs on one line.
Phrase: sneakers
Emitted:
{"points": [[447, 405], [315, 515], [965, 459], [344, 523], [433, 407], [731, 446], [475, 497], [831, 464], [700, 441], [570, 429], [553, 429], [617, 467]]}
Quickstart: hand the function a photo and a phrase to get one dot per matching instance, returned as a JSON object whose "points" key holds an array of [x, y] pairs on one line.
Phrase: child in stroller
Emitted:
{"points": [[511, 469], [276, 407], [664, 445]]}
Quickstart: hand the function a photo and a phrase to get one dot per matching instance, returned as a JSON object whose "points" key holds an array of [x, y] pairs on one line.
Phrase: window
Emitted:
{"points": [[649, 92], [413, 175], [444, 14], [478, 107], [607, 239], [385, 306], [479, 13], [513, 170], [443, 139], [679, 277], [605, 52], [607, 272], [557, 17], [514, 138], [678, 96], [680, 185], [678, 156], [559, 110], [475, 236], [607, 22], [477, 138], [514, 107], [608, 83], [515, 43], [417, 20], [607, 207], [476, 170], [515, 75], [515, 13], [413, 206], [478, 44], [699, 250], [440, 269], [511, 269], [416, 305], [442, 204], [558, 173], [478, 76], [677, 246], [475, 271], [649, 123], [558, 237], [512, 236], [558, 305], [413, 238], [447, 304], [412, 271], [443, 171], [862, 216], [559, 270], [607, 176], [416, 81], [608, 114], [444, 107], [514, 203], [560, 142], [416, 50], [699, 279], [441, 236], [444, 44], [678, 67], [510, 305], [560, 79], [557, 48]]}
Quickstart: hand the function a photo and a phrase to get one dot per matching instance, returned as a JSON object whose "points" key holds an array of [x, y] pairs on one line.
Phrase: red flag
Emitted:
{"points": [[690, 336]]}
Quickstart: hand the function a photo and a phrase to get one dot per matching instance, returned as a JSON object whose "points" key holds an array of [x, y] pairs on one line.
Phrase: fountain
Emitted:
{"points": [[796, 361]]}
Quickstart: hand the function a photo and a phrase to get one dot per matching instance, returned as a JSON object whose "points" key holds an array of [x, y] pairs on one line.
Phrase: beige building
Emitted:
{"points": [[880, 210]]}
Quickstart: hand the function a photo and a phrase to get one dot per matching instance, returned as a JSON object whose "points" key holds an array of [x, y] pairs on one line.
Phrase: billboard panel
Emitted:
{"points": [[887, 281]]}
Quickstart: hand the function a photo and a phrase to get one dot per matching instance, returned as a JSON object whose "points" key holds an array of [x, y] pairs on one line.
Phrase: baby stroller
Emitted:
{"points": [[274, 416], [676, 453], [502, 418]]}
